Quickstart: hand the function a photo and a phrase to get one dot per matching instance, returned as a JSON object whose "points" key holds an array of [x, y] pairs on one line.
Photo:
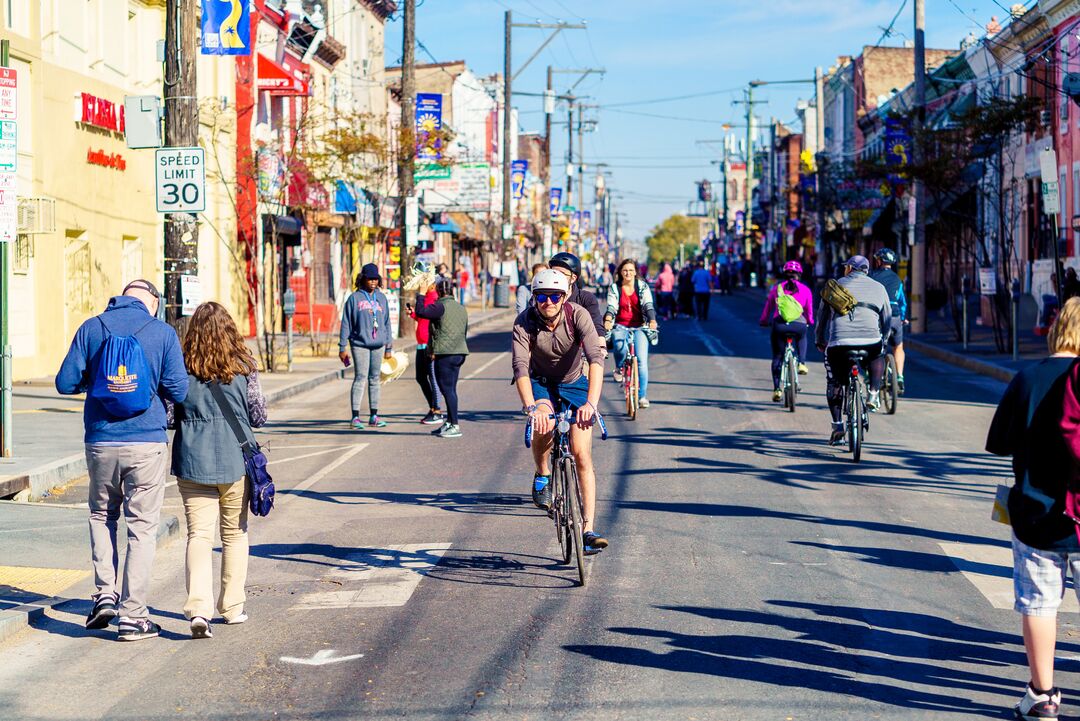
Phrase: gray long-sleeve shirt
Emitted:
{"points": [[554, 353], [863, 326]]}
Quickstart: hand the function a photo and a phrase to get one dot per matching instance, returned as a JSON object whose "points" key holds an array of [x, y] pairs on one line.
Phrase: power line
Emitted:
{"points": [[671, 98]]}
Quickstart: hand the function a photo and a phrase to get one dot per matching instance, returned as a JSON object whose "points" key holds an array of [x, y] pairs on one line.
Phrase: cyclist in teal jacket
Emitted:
{"points": [[885, 260]]}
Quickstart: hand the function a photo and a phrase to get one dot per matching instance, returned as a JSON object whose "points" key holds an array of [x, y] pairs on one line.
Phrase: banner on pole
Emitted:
{"points": [[518, 169], [226, 27], [554, 200], [428, 123]]}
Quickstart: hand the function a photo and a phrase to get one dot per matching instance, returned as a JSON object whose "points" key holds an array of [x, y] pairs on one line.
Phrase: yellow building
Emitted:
{"points": [[88, 223]]}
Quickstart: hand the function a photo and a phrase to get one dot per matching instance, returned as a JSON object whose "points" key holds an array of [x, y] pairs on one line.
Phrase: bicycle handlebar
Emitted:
{"points": [[566, 416]]}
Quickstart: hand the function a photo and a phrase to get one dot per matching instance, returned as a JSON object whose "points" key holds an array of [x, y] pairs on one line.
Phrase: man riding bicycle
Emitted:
{"points": [[863, 328], [885, 261], [570, 266], [548, 342]]}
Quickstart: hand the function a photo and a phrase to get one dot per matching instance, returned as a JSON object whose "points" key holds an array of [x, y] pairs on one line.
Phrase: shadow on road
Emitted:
{"points": [[879, 656]]}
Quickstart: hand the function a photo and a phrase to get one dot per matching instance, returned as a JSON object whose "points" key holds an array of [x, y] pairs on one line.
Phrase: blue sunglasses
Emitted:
{"points": [[548, 297]]}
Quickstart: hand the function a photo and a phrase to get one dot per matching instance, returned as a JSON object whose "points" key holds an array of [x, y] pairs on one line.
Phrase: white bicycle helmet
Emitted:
{"points": [[549, 279]]}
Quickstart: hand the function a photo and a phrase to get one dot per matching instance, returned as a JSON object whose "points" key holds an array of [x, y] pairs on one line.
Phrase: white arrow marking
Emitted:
{"points": [[321, 658]]}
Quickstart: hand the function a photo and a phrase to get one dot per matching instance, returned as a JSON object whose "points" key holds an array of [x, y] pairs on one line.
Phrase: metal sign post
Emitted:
{"points": [[8, 202]]}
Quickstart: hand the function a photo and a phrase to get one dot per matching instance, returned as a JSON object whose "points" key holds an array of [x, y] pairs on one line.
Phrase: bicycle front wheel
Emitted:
{"points": [[890, 389], [560, 512], [577, 532], [632, 390], [791, 389]]}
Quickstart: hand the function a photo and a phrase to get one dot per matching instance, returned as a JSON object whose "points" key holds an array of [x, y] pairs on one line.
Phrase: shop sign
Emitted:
{"points": [[106, 160], [100, 113]]}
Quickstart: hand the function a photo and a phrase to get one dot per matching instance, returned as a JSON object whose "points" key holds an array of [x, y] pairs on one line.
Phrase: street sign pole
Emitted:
{"points": [[6, 441], [1051, 198]]}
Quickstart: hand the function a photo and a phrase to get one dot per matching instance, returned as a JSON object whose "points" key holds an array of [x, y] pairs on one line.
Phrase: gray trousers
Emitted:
{"points": [[367, 362], [129, 478]]}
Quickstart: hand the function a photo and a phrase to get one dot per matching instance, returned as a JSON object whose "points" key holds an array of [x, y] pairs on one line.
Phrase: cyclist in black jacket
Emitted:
{"points": [[570, 266], [885, 261]]}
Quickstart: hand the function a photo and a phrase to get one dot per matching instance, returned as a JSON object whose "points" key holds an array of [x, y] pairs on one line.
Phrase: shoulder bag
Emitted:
{"points": [[259, 481]]}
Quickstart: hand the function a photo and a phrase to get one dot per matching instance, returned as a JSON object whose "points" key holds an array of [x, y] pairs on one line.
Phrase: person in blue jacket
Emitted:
{"points": [[366, 330], [885, 262], [127, 458]]}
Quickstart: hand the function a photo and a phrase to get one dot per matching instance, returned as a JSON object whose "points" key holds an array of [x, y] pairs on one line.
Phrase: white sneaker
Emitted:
{"points": [[1036, 707], [874, 401], [238, 620], [643, 403], [617, 375], [200, 628]]}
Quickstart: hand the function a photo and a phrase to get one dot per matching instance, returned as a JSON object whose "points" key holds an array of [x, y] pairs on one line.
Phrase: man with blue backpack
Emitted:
{"points": [[128, 363]]}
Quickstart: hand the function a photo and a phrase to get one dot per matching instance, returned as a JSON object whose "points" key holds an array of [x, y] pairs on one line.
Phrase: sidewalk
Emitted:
{"points": [[939, 342], [44, 546]]}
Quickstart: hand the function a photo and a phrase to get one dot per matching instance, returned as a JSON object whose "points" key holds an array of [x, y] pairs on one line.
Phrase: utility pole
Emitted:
{"points": [[819, 115], [918, 252], [507, 155], [748, 221], [549, 108], [570, 151], [406, 170], [580, 162], [181, 131], [6, 442], [508, 80]]}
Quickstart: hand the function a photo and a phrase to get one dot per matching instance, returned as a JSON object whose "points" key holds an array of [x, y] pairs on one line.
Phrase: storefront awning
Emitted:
{"points": [[280, 80], [448, 227]]}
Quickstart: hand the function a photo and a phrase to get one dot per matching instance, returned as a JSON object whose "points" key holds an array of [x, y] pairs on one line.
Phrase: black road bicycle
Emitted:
{"points": [[567, 509], [856, 418]]}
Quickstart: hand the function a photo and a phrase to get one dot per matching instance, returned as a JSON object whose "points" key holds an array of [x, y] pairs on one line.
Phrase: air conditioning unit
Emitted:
{"points": [[36, 215], [1045, 118]]}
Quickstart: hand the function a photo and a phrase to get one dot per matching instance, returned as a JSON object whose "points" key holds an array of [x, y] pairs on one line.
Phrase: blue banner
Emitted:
{"points": [[555, 200], [226, 27], [586, 221], [518, 169], [428, 123], [897, 143]]}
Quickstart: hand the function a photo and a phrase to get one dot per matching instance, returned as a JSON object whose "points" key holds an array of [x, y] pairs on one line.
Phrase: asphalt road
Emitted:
{"points": [[754, 572]]}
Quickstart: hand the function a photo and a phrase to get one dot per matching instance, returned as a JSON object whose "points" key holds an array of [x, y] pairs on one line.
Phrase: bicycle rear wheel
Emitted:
{"points": [[890, 389], [632, 390], [560, 513], [791, 390], [573, 496], [855, 420]]}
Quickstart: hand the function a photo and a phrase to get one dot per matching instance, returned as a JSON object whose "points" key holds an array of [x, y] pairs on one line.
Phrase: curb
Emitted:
{"points": [[14, 620], [57, 473], [986, 368]]}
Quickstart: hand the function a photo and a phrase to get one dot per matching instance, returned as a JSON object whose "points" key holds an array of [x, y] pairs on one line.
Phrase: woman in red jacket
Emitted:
{"points": [[425, 369]]}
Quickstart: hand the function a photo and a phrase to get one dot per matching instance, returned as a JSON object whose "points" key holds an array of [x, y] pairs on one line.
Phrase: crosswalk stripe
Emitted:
{"points": [[973, 560], [376, 577]]}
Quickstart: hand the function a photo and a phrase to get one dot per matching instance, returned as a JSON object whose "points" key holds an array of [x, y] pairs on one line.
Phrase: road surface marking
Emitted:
{"points": [[376, 577], [324, 451], [487, 365], [714, 344], [294, 492], [321, 658], [974, 560]]}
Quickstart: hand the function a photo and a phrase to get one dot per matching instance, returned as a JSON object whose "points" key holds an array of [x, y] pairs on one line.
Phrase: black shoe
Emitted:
{"points": [[136, 629], [450, 430], [837, 437], [594, 543], [541, 494], [433, 419], [438, 431], [104, 612]]}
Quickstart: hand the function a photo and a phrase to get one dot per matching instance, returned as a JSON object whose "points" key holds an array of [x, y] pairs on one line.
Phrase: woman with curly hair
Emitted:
{"points": [[209, 464]]}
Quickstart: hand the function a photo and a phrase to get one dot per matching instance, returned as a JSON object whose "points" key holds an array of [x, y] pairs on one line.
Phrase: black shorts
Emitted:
{"points": [[896, 332]]}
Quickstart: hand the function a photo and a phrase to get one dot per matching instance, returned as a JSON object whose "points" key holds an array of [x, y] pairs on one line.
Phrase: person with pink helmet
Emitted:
{"points": [[782, 311]]}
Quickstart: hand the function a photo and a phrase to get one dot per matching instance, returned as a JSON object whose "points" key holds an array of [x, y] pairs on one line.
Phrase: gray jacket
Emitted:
{"points": [[365, 321], [866, 325], [205, 449]]}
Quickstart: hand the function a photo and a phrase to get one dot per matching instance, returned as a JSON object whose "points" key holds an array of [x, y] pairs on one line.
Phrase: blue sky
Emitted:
{"points": [[657, 50]]}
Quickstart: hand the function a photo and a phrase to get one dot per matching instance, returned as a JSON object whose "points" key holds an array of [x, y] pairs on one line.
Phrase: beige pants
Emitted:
{"points": [[206, 506]]}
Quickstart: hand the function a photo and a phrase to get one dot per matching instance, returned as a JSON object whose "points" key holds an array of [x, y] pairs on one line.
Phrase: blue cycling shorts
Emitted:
{"points": [[563, 395]]}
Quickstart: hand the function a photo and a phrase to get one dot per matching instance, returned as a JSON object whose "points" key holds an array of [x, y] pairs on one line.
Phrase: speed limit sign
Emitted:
{"points": [[181, 180]]}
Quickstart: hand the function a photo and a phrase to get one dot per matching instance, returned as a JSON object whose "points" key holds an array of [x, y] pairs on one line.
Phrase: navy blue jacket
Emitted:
{"points": [[125, 315]]}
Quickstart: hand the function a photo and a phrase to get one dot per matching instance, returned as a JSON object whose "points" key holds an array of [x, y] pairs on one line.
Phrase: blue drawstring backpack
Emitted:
{"points": [[122, 383]]}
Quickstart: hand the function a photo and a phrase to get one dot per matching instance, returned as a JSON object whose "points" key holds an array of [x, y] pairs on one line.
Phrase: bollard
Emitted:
{"points": [[1015, 320], [964, 300]]}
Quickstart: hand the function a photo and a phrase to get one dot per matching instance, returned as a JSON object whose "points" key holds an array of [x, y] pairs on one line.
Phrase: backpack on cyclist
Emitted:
{"points": [[790, 310], [122, 380], [838, 297]]}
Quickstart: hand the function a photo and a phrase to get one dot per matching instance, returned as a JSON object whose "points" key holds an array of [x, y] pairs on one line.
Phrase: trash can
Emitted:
{"points": [[502, 291]]}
